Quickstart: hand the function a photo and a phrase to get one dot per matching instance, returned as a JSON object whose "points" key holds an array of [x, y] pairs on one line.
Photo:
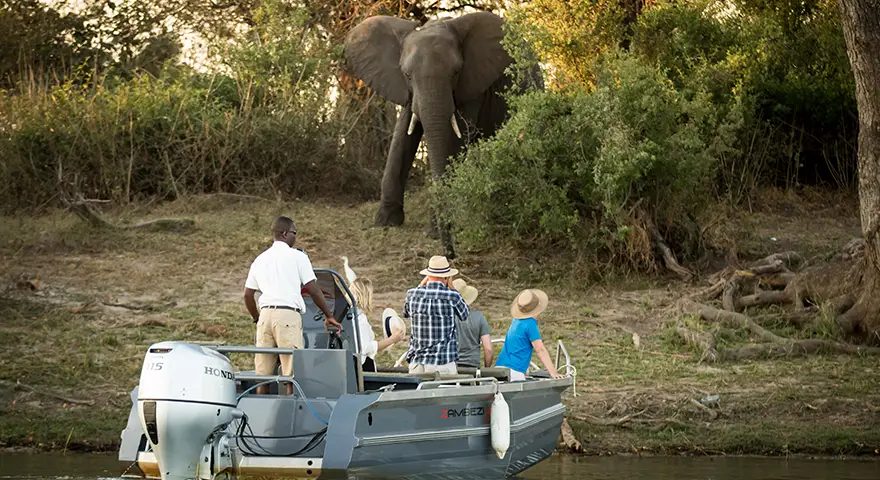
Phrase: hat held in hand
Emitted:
{"points": [[529, 303], [391, 323]]}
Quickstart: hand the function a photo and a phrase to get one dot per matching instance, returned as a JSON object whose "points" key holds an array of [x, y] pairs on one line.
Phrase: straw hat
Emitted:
{"points": [[391, 323], [468, 292], [529, 303], [438, 266]]}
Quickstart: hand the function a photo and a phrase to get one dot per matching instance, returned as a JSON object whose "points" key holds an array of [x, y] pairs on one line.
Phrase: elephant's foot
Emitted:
{"points": [[449, 251], [391, 216]]}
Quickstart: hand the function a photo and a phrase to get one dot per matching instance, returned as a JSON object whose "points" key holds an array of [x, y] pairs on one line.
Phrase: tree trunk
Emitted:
{"points": [[861, 28]]}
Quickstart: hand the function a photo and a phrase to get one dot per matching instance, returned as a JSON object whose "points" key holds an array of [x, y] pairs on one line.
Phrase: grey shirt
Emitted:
{"points": [[469, 333]]}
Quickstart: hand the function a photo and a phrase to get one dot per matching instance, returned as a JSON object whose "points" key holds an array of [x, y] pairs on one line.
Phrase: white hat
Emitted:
{"points": [[439, 267], [468, 292], [391, 323]]}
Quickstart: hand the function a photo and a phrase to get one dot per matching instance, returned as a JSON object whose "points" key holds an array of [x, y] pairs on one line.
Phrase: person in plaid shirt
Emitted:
{"points": [[432, 308]]}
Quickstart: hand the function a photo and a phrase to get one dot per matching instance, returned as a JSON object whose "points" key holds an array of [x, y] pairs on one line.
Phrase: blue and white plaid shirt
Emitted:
{"points": [[433, 309]]}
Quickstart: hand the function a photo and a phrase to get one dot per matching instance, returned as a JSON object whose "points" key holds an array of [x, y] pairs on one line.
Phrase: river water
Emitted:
{"points": [[105, 467]]}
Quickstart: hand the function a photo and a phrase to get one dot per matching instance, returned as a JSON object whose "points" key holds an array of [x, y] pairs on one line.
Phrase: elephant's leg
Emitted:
{"points": [[397, 167]]}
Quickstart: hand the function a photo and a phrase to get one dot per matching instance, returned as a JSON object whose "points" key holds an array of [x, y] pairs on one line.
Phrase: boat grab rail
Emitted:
{"points": [[570, 369], [457, 381], [246, 349]]}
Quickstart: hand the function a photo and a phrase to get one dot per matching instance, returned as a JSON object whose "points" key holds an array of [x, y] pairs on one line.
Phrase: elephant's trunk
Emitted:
{"points": [[436, 113]]}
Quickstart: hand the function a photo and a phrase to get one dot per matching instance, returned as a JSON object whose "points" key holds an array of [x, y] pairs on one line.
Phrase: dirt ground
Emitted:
{"points": [[80, 304]]}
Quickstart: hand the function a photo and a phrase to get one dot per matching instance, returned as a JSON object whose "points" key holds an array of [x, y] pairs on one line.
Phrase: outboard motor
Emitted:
{"points": [[186, 399]]}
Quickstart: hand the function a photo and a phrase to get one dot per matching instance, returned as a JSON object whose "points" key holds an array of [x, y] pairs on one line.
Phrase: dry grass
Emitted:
{"points": [[64, 338]]}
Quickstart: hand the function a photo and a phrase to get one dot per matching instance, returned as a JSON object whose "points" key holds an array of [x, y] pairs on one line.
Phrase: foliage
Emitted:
{"points": [[569, 35], [783, 62], [590, 170]]}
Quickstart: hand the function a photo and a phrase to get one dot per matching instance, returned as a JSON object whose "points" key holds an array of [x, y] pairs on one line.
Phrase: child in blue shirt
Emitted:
{"points": [[523, 336]]}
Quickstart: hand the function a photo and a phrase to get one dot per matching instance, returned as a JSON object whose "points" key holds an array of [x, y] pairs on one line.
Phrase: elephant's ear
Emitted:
{"points": [[372, 52], [484, 57]]}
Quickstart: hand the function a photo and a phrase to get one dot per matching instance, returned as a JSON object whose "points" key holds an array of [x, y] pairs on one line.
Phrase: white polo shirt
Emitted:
{"points": [[279, 274]]}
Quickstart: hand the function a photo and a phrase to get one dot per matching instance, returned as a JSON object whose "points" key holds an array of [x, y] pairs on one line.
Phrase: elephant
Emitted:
{"points": [[448, 76]]}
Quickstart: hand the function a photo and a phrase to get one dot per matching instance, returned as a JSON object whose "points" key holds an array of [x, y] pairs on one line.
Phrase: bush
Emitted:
{"points": [[168, 137], [590, 171], [264, 126]]}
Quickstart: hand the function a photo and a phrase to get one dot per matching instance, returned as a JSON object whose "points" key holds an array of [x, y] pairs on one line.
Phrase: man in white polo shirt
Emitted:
{"points": [[280, 273]]}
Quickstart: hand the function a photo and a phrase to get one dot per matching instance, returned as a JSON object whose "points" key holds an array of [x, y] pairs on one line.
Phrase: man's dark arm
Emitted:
{"points": [[318, 297], [251, 304]]}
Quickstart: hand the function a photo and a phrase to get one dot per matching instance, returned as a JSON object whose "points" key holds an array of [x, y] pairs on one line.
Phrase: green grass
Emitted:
{"points": [[56, 340]]}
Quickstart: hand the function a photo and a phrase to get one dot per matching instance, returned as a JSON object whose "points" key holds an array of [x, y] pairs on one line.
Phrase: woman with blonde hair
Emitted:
{"points": [[362, 289]]}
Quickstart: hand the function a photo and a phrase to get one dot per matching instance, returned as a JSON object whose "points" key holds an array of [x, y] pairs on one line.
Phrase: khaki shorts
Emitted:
{"points": [[277, 328], [445, 369]]}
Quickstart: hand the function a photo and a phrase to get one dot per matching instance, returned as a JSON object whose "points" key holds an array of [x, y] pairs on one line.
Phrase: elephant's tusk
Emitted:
{"points": [[412, 124], [455, 126]]}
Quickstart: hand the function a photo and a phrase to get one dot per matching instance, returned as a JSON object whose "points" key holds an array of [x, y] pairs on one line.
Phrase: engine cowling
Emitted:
{"points": [[186, 396]]}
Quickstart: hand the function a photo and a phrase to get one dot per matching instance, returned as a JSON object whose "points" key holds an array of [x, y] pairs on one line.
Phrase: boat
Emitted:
{"points": [[194, 417]]}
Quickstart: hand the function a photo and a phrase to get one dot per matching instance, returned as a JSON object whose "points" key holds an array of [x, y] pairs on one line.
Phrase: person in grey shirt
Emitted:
{"points": [[474, 332]]}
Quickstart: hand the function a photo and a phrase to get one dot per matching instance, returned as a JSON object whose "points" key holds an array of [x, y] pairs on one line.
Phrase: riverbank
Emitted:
{"points": [[80, 304]]}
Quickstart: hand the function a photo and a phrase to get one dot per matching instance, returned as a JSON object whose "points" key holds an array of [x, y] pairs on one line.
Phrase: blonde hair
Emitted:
{"points": [[362, 289]]}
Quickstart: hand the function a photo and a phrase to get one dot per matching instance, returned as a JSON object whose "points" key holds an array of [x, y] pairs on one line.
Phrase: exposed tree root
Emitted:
{"points": [[607, 422], [765, 297], [709, 293], [703, 340], [834, 283], [776, 347], [668, 257], [790, 260], [21, 386], [84, 210]]}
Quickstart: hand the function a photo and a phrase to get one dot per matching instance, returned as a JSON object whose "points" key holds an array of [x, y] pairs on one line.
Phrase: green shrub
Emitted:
{"points": [[168, 137], [590, 170]]}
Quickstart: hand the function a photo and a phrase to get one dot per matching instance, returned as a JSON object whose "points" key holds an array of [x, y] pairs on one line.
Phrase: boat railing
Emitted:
{"points": [[247, 349], [456, 381], [566, 368]]}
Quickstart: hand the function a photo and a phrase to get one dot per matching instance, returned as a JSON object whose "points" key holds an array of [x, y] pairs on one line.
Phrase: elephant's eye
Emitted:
{"points": [[406, 74]]}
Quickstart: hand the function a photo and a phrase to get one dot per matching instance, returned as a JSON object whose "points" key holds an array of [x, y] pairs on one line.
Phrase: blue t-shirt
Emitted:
{"points": [[517, 351]]}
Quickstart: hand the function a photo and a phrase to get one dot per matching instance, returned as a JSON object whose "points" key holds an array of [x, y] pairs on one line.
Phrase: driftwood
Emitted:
{"points": [[21, 386], [569, 439]]}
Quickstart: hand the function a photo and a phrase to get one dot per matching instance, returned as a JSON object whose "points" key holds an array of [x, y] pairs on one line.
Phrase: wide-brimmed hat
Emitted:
{"points": [[468, 292], [529, 303], [438, 266], [391, 322]]}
